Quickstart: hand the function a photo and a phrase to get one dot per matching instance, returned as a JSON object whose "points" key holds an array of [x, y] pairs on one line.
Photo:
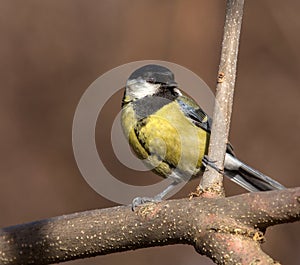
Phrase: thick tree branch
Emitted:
{"points": [[212, 182], [225, 229]]}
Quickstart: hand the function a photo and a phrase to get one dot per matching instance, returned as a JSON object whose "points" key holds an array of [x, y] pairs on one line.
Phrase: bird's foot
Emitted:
{"points": [[138, 201], [207, 162]]}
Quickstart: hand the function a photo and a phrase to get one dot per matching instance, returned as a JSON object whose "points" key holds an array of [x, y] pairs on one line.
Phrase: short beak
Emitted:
{"points": [[172, 84]]}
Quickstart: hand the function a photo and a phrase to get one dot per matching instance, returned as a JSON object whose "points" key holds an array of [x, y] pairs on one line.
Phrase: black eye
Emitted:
{"points": [[151, 80]]}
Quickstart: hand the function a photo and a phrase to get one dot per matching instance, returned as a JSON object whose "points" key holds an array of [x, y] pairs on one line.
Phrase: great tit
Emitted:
{"points": [[170, 132]]}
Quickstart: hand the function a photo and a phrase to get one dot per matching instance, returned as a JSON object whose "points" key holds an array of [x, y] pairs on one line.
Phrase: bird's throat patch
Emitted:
{"points": [[146, 106]]}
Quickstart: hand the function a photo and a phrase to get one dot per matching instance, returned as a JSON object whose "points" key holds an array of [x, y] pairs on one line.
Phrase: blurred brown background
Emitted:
{"points": [[52, 50]]}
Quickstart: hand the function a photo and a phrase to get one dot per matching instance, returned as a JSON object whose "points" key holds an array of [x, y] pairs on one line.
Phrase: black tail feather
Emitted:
{"points": [[247, 177]]}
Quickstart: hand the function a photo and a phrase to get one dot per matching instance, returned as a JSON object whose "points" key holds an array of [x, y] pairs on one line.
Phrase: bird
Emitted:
{"points": [[170, 132]]}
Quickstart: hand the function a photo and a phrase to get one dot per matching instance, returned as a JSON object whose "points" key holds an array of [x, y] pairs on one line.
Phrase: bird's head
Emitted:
{"points": [[150, 80]]}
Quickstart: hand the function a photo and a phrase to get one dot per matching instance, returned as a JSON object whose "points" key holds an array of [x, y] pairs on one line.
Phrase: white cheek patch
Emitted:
{"points": [[139, 89]]}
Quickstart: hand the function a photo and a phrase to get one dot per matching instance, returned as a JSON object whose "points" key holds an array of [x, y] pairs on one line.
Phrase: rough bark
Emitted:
{"points": [[228, 230]]}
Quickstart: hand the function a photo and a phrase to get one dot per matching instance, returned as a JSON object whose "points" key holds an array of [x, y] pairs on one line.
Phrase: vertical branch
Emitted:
{"points": [[212, 181]]}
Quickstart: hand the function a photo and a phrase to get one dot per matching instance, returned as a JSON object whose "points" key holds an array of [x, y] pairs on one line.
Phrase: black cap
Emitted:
{"points": [[154, 73]]}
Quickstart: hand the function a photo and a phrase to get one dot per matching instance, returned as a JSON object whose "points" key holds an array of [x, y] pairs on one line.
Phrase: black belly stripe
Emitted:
{"points": [[137, 129]]}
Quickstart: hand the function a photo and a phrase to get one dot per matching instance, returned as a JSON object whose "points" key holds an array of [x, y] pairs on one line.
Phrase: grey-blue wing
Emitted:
{"points": [[193, 112]]}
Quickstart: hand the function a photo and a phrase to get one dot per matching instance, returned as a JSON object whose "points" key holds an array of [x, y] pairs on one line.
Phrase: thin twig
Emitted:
{"points": [[212, 181]]}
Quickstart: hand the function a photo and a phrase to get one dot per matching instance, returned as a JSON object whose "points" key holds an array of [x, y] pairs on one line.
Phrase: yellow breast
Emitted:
{"points": [[167, 139]]}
